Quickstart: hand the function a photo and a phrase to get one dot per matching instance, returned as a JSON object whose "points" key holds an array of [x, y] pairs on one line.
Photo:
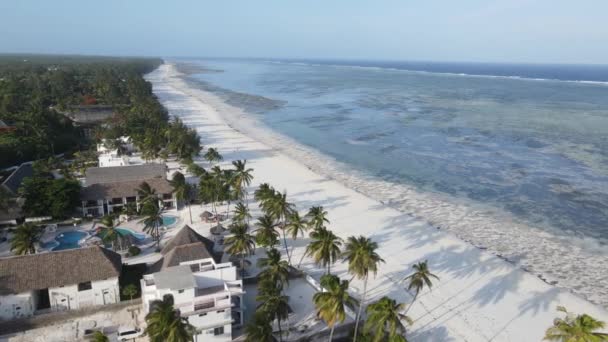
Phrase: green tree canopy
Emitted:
{"points": [[50, 197]]}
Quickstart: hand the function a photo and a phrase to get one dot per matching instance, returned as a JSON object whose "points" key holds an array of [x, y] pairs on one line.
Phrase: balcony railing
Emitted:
{"points": [[234, 287], [203, 306], [209, 290], [91, 204]]}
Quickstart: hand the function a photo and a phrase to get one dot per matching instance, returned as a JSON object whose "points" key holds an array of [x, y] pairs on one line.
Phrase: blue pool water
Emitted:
{"points": [[68, 240], [137, 236], [169, 220]]}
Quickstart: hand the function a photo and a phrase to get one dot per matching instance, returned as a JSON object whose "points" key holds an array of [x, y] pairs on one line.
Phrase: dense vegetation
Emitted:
{"points": [[45, 196], [35, 90]]}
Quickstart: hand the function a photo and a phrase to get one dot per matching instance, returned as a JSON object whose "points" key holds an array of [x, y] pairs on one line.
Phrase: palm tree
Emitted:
{"points": [[98, 336], [274, 269], [164, 323], [25, 238], [265, 234], [324, 247], [241, 214], [384, 318], [362, 259], [317, 217], [417, 280], [153, 220], [274, 305], [146, 194], [242, 177], [129, 209], [109, 231], [296, 225], [195, 169], [263, 193], [212, 155], [574, 328], [332, 301], [130, 291], [240, 243], [259, 329], [182, 190], [280, 209]]}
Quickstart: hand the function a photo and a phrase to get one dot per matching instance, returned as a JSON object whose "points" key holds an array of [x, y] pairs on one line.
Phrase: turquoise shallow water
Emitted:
{"points": [[537, 149]]}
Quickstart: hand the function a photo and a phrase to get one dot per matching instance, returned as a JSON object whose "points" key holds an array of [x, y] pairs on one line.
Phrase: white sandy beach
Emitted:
{"points": [[479, 297]]}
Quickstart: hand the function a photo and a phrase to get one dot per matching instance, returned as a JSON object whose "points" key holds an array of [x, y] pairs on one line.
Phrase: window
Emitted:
{"points": [[85, 286], [203, 314], [220, 311], [180, 291], [218, 331]]}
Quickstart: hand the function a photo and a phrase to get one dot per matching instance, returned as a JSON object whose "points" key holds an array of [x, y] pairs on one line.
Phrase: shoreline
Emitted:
{"points": [[574, 263], [480, 297]]}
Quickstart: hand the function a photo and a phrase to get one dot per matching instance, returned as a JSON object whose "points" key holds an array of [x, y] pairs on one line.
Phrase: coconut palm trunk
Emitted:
{"points": [[358, 318], [280, 331], [301, 259], [331, 332], [190, 212], [285, 243], [242, 266], [412, 303]]}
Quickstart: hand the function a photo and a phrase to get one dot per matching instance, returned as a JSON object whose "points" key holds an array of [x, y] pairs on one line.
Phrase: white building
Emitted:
{"points": [[208, 293], [108, 189], [112, 157], [55, 281]]}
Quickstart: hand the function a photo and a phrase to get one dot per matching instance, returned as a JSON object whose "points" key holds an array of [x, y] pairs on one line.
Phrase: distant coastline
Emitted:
{"points": [[579, 73]]}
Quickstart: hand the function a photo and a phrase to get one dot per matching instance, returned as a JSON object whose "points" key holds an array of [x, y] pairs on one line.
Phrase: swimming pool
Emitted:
{"points": [[124, 232], [137, 236], [169, 220], [67, 240]]}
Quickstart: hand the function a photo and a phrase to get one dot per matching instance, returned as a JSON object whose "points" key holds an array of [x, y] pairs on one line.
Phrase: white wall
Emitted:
{"points": [[16, 306], [68, 297], [215, 277], [219, 316], [109, 160]]}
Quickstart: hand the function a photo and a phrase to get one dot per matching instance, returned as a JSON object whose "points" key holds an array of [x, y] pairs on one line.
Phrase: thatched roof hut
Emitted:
{"points": [[217, 230]]}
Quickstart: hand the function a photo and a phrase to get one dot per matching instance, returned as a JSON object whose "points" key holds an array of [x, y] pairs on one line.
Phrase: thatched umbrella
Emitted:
{"points": [[206, 216]]}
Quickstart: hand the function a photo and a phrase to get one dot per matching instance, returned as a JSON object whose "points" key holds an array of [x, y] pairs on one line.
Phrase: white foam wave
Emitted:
{"points": [[380, 68], [578, 264], [356, 142]]}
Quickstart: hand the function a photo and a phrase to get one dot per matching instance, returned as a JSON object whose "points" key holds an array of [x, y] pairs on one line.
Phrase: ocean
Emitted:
{"points": [[515, 148]]}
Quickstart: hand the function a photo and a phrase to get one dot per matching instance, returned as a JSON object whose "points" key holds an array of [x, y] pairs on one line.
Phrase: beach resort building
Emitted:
{"points": [[111, 157], [108, 189], [56, 281], [4, 128], [88, 116], [209, 294]]}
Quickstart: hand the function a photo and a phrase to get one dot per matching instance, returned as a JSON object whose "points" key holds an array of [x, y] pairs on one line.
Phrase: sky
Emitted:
{"points": [[517, 31]]}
